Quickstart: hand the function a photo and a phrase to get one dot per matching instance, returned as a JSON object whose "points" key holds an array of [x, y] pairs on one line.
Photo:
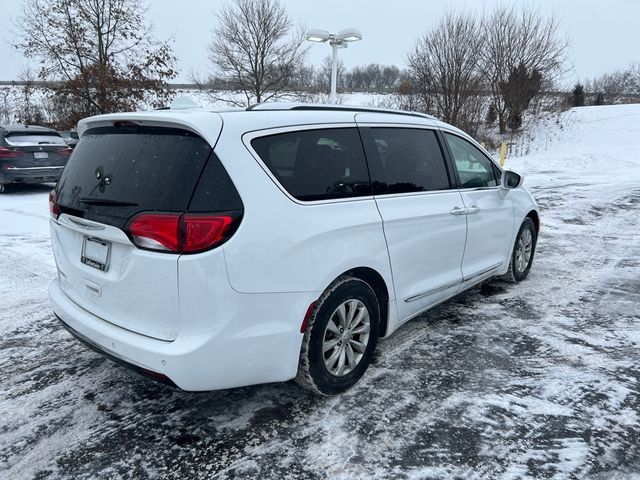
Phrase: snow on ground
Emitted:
{"points": [[539, 379]]}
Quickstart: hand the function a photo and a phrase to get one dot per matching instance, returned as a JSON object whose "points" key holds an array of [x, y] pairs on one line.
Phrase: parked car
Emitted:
{"points": [[71, 138], [30, 154], [219, 249]]}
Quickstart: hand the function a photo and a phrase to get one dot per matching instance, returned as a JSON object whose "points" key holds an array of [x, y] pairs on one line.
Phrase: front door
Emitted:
{"points": [[489, 210]]}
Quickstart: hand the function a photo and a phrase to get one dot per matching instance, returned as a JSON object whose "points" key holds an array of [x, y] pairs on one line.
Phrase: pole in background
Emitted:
{"points": [[333, 96], [336, 40]]}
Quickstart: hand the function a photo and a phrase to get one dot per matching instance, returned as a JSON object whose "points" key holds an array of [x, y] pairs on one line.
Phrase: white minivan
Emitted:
{"points": [[213, 250]]}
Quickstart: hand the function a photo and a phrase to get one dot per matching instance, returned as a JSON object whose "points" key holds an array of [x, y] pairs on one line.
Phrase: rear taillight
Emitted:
{"points": [[203, 231], [65, 152], [156, 231], [179, 233], [8, 153], [54, 208]]}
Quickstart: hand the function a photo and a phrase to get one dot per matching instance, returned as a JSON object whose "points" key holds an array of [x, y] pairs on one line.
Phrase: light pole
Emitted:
{"points": [[336, 40]]}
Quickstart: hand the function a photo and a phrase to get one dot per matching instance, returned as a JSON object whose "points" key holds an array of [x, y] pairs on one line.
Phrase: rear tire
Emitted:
{"points": [[1, 188], [341, 337], [523, 252]]}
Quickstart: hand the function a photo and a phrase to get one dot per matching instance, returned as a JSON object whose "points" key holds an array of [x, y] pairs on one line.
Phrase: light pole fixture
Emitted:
{"points": [[336, 40]]}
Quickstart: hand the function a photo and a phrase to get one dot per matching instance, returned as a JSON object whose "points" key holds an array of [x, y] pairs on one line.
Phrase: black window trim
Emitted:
{"points": [[453, 180], [451, 161], [248, 137]]}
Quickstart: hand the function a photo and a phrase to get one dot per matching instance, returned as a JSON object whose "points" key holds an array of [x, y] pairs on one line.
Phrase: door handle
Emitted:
{"points": [[458, 211], [473, 209]]}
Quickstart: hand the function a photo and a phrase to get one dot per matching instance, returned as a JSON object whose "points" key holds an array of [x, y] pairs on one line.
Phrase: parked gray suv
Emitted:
{"points": [[30, 154]]}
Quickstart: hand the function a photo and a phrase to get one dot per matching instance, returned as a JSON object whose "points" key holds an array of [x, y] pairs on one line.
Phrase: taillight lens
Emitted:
{"points": [[8, 153], [203, 231], [156, 231], [54, 208], [65, 152], [179, 233]]}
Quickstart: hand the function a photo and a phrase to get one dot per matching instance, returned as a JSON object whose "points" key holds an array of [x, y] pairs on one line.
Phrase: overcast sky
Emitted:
{"points": [[605, 33]]}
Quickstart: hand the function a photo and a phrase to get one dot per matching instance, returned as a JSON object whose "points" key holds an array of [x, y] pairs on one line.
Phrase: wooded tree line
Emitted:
{"points": [[467, 70], [622, 86]]}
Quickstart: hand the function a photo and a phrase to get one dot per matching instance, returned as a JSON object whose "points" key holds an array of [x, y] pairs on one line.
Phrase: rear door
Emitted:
{"points": [[422, 214], [115, 173], [490, 219]]}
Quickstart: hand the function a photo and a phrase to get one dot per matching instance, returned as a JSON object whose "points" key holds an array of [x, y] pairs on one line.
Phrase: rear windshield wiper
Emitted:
{"points": [[106, 202]]}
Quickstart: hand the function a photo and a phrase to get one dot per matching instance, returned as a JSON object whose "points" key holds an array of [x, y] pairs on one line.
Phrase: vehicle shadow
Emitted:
{"points": [[15, 189]]}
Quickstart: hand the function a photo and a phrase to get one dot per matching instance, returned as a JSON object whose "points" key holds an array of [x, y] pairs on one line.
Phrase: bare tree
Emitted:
{"points": [[621, 86], [444, 64], [101, 51], [323, 81], [256, 50], [514, 36]]}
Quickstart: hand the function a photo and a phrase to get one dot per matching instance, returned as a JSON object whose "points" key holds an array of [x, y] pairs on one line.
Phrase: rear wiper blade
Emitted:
{"points": [[106, 202]]}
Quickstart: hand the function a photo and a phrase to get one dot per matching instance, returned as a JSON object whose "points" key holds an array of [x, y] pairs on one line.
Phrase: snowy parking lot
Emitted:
{"points": [[539, 379]]}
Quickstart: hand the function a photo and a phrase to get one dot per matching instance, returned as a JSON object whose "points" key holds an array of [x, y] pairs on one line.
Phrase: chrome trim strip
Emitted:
{"points": [[31, 169], [482, 272], [442, 288], [85, 225], [462, 288], [428, 124]]}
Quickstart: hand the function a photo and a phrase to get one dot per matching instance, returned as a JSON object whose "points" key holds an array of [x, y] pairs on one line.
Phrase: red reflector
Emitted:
{"points": [[54, 208], [305, 321], [65, 152], [7, 153], [7, 166], [203, 231], [156, 231]]}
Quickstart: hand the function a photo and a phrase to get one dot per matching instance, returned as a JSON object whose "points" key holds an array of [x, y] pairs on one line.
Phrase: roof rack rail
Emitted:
{"points": [[274, 106]]}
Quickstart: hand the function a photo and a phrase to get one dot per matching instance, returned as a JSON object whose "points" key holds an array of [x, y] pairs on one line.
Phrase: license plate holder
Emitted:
{"points": [[40, 155], [96, 253]]}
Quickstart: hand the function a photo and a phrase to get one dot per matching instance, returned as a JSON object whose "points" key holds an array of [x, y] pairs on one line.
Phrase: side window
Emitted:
{"points": [[215, 191], [474, 168], [317, 164], [406, 160]]}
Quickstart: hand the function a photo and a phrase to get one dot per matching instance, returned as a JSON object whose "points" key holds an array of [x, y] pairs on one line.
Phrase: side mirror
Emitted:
{"points": [[510, 180]]}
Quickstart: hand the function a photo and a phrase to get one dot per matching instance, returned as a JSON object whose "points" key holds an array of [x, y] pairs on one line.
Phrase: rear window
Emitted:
{"points": [[18, 139], [317, 164], [116, 172]]}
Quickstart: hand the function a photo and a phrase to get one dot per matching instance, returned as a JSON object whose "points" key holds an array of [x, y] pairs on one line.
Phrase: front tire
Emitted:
{"points": [[341, 337], [523, 252]]}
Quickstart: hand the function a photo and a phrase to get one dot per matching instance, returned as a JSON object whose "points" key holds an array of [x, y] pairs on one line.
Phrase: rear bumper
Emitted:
{"points": [[97, 348], [30, 174], [234, 354]]}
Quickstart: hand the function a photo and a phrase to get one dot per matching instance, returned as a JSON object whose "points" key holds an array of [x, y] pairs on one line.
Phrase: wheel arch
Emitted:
{"points": [[379, 286], [535, 217]]}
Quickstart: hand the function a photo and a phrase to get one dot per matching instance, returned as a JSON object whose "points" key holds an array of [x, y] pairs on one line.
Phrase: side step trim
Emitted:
{"points": [[420, 295]]}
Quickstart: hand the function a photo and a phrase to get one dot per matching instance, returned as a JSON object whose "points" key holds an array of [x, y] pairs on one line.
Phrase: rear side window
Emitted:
{"points": [[474, 168], [405, 160], [317, 164], [215, 191], [116, 172]]}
